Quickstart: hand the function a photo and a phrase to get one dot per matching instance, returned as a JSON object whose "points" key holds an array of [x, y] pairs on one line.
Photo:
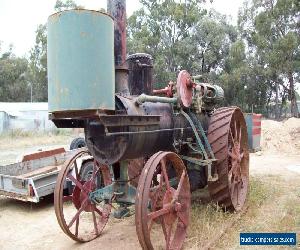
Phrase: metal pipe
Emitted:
{"points": [[117, 9], [148, 98]]}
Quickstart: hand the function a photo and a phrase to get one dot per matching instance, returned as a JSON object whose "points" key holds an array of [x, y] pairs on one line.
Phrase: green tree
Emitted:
{"points": [[37, 71], [271, 28], [180, 36], [161, 28], [13, 84]]}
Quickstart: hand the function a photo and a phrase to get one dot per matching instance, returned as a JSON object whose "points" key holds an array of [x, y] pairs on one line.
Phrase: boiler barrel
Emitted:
{"points": [[81, 74]]}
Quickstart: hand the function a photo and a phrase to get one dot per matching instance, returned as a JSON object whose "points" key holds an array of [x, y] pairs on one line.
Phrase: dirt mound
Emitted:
{"points": [[281, 137]]}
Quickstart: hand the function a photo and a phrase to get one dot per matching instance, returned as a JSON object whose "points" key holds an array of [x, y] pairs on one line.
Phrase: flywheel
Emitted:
{"points": [[227, 135]]}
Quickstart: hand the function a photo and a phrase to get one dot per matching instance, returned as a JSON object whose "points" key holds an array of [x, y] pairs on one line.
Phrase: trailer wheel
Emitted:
{"points": [[86, 173], [78, 142]]}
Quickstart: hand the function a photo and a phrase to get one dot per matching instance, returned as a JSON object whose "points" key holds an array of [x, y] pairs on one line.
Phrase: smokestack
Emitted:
{"points": [[117, 9]]}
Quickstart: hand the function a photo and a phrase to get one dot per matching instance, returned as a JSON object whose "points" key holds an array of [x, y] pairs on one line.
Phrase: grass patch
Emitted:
{"points": [[208, 220], [20, 139]]}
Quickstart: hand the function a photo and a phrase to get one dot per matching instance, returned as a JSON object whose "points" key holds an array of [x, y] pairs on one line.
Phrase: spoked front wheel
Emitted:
{"points": [[79, 217], [163, 202]]}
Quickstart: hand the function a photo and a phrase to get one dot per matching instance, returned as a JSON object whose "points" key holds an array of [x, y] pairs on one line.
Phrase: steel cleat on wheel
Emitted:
{"points": [[227, 134]]}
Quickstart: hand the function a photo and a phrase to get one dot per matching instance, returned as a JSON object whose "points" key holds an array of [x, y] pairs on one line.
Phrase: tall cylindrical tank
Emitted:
{"points": [[81, 74]]}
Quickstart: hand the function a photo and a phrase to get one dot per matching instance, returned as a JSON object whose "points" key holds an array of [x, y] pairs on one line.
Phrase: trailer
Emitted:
{"points": [[34, 177]]}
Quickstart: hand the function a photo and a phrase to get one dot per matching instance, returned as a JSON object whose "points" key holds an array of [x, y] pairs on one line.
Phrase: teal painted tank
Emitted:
{"points": [[81, 74]]}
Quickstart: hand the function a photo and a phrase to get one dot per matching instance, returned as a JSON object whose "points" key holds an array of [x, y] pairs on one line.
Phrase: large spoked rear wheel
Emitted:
{"points": [[227, 134], [79, 217], [163, 202]]}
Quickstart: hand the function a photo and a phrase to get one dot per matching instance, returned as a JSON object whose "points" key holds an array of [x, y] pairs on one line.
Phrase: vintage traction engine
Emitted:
{"points": [[151, 148]]}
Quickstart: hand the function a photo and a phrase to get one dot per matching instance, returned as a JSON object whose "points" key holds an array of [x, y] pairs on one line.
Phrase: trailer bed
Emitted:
{"points": [[34, 177]]}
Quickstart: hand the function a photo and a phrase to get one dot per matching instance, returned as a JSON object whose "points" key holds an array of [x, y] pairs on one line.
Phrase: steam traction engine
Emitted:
{"points": [[151, 148]]}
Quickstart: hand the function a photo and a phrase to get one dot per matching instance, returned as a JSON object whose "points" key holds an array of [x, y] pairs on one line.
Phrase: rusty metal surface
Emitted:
{"points": [[111, 149], [78, 198], [16, 196], [227, 134], [122, 80], [43, 154], [169, 204], [168, 91], [185, 88], [129, 120], [117, 9], [135, 168], [140, 67]]}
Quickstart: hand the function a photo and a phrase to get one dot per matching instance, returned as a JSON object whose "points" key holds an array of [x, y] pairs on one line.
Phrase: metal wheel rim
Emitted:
{"points": [[222, 136], [169, 219], [59, 200]]}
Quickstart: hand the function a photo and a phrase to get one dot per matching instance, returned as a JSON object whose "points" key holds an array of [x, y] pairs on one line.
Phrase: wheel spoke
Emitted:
{"points": [[232, 155], [76, 170], [240, 135], [78, 213], [169, 238], [164, 171], [183, 220], [77, 183], [165, 210], [76, 227], [179, 187], [95, 222], [98, 211]]}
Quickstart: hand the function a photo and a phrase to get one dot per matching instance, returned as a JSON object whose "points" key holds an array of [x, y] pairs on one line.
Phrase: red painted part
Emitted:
{"points": [[256, 123], [168, 91], [31, 191], [258, 116], [43, 154], [185, 88], [256, 131]]}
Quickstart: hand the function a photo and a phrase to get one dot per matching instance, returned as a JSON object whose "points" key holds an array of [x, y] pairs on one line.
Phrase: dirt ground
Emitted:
{"points": [[274, 206]]}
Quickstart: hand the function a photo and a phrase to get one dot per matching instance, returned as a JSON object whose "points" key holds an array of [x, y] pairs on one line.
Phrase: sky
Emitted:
{"points": [[19, 18]]}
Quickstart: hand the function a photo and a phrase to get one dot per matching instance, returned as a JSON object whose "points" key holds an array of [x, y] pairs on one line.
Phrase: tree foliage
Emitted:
{"points": [[13, 83], [180, 36], [271, 29], [37, 72]]}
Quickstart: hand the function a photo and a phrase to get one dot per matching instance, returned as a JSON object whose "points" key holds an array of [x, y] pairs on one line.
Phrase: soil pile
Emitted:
{"points": [[281, 137]]}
